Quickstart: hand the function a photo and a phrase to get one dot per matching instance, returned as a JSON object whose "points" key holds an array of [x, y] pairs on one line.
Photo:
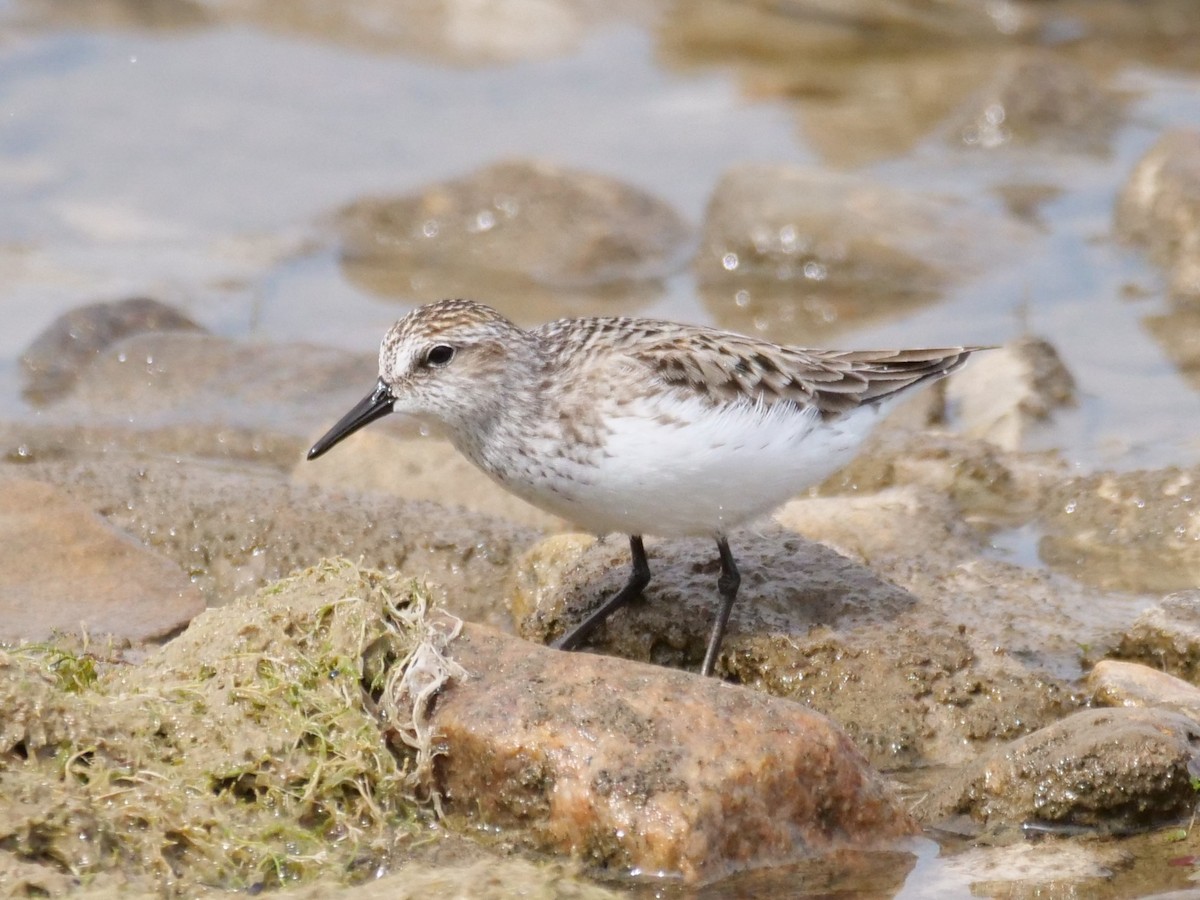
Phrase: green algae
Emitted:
{"points": [[262, 747]]}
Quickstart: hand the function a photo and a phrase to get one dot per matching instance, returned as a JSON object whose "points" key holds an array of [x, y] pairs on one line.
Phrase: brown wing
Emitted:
{"points": [[725, 367]]}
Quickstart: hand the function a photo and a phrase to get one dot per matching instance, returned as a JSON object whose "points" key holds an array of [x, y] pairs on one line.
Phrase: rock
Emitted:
{"points": [[54, 360], [523, 234], [233, 531], [975, 475], [1043, 100], [1166, 637], [1115, 769], [797, 253], [1130, 531], [414, 467], [1116, 683], [1177, 331], [1159, 208], [775, 30], [203, 384], [639, 769], [566, 576], [853, 104], [899, 521], [1036, 384], [913, 681], [63, 569]]}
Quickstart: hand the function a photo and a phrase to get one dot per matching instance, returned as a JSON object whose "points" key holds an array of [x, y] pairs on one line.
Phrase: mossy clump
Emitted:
{"points": [[251, 751]]}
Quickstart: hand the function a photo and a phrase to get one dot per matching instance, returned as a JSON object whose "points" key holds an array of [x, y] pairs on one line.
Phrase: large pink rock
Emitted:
{"points": [[640, 769]]}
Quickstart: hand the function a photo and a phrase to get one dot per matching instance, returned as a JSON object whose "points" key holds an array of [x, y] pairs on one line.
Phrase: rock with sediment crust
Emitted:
{"points": [[1104, 768], [914, 677], [233, 531], [1167, 636], [639, 769]]}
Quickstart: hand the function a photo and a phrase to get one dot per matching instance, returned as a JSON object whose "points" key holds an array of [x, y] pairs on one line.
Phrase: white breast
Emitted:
{"points": [[675, 467]]}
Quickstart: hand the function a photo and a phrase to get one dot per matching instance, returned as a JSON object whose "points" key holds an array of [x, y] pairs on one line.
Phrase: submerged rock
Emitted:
{"points": [[1131, 531], [1159, 208], [639, 769], [55, 359], [796, 253], [1110, 769], [64, 569], [522, 233], [1042, 100]]}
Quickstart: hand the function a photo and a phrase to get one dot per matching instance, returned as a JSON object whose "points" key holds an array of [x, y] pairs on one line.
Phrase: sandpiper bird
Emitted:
{"points": [[637, 426]]}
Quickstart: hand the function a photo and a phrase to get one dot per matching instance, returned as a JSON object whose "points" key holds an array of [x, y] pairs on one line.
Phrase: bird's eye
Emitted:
{"points": [[439, 355]]}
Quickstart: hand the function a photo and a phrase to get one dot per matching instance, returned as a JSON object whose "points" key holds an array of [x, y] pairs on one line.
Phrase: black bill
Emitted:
{"points": [[375, 405]]}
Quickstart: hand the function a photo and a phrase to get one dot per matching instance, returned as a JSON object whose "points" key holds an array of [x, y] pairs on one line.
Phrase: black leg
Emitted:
{"points": [[638, 579], [727, 584]]}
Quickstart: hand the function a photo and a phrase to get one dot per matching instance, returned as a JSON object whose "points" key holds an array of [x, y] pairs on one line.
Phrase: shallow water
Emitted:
{"points": [[195, 154], [195, 162]]}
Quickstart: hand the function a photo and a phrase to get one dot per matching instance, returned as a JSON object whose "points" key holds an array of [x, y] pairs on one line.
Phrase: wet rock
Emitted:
{"points": [[55, 359], [524, 234], [233, 531], [1177, 331], [1132, 531], [567, 575], [913, 680], [852, 108], [1159, 208], [898, 521], [640, 769], [63, 569], [1166, 637], [794, 27], [196, 393], [1042, 100], [405, 464], [1035, 381], [1116, 683], [797, 253], [976, 475], [1115, 769]]}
